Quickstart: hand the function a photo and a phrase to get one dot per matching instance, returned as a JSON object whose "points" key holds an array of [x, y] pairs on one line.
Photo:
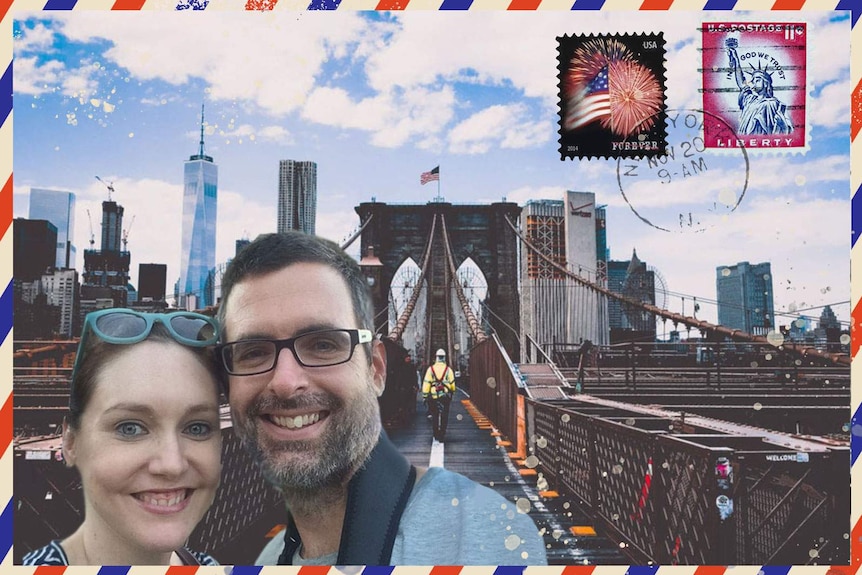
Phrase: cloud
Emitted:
{"points": [[505, 49], [245, 132], [35, 37], [831, 107], [159, 100], [338, 226], [509, 126], [239, 217], [772, 174], [827, 36], [393, 119], [80, 83], [34, 79], [275, 134], [234, 54]]}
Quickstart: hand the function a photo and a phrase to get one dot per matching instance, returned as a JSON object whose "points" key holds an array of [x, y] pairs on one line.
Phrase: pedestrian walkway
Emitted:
{"points": [[474, 449]]}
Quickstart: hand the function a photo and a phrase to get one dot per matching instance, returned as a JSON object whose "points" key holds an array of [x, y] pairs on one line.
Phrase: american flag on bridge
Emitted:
{"points": [[432, 176], [594, 103]]}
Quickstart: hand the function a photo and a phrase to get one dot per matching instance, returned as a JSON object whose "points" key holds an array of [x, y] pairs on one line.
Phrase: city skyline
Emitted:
{"points": [[488, 119]]}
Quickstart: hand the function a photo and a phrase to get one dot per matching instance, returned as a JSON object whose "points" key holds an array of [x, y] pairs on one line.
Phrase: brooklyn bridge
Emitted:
{"points": [[727, 448]]}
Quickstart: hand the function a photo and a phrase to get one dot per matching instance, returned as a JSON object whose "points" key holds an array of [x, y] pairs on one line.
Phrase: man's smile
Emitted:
{"points": [[297, 421]]}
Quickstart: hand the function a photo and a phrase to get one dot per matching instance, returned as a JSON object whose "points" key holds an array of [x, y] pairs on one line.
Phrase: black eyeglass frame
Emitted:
{"points": [[357, 336]]}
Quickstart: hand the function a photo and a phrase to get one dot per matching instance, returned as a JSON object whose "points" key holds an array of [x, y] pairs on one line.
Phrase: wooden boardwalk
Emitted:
{"points": [[570, 536]]}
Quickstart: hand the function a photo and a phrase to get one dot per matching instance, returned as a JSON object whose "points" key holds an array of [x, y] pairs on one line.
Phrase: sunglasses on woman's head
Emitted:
{"points": [[125, 326]]}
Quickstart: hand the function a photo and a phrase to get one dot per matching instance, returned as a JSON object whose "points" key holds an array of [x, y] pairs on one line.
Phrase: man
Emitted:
{"points": [[438, 387], [304, 375], [584, 353]]}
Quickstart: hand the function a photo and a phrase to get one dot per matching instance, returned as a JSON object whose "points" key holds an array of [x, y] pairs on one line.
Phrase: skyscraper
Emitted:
{"points": [[297, 196], [33, 248], [744, 294], [241, 244], [571, 232], [587, 313], [58, 208], [200, 198], [543, 287], [106, 270], [634, 280], [152, 279]]}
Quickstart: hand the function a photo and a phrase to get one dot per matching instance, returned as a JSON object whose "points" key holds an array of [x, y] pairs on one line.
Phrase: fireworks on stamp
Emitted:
{"points": [[606, 85], [612, 95]]}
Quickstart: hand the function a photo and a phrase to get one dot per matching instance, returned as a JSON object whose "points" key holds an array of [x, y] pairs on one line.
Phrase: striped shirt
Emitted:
{"points": [[53, 554]]}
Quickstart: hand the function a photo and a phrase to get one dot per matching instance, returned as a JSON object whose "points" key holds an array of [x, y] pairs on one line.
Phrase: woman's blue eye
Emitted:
{"points": [[199, 429], [130, 429]]}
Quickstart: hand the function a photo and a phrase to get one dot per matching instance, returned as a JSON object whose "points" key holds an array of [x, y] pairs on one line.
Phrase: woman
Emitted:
{"points": [[143, 431]]}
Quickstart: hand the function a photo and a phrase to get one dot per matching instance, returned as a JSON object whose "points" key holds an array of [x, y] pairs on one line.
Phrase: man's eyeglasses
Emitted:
{"points": [[314, 349], [124, 326]]}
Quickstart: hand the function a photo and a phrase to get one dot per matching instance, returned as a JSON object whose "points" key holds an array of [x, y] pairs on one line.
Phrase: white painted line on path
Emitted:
{"points": [[436, 454]]}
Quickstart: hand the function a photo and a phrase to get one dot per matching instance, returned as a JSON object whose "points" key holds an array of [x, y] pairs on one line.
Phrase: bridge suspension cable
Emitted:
{"points": [[401, 324], [703, 326], [357, 233], [475, 329]]}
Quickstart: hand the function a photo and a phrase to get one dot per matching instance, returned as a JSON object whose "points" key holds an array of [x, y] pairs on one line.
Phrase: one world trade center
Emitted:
{"points": [[200, 198]]}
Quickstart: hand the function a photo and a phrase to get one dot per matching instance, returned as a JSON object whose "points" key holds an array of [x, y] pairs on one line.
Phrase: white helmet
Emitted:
{"points": [[441, 353]]}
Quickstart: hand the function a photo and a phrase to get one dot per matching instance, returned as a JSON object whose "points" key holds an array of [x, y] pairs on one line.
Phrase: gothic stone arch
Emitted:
{"points": [[477, 231]]}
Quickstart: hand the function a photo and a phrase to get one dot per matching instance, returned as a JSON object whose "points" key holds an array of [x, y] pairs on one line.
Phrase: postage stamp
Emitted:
{"points": [[754, 79], [612, 95]]}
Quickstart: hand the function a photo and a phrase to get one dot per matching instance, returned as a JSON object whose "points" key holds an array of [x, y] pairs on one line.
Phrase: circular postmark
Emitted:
{"points": [[692, 187]]}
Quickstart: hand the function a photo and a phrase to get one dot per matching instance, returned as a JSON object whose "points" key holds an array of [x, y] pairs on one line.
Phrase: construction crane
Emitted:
{"points": [[92, 237], [126, 234], [109, 185]]}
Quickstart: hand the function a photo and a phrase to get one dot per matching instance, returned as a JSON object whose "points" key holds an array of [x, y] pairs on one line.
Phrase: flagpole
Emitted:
{"points": [[439, 199]]}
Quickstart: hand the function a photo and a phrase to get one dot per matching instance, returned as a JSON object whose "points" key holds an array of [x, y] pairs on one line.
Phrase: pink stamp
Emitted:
{"points": [[754, 79]]}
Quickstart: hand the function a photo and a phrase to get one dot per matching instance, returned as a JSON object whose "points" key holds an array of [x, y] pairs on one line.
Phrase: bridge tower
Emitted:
{"points": [[480, 232]]}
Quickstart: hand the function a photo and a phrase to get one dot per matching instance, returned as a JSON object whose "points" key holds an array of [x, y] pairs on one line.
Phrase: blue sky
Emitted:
{"points": [[376, 99]]}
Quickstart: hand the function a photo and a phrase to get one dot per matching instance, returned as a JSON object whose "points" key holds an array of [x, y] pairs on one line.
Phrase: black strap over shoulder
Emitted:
{"points": [[376, 497], [187, 557]]}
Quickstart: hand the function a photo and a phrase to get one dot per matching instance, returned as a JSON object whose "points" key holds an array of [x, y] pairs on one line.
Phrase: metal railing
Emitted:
{"points": [[680, 494], [495, 385]]}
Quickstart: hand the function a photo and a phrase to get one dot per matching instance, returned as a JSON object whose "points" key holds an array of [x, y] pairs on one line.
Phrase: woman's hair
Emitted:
{"points": [[98, 354]]}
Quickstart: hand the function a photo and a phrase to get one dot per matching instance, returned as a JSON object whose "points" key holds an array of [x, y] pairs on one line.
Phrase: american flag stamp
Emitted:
{"points": [[754, 79], [612, 95]]}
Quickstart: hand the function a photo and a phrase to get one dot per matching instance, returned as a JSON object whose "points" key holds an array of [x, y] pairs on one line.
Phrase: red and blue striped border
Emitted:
{"points": [[855, 8]]}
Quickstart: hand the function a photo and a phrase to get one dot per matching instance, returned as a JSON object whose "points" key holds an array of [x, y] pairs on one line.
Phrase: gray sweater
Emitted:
{"points": [[450, 520]]}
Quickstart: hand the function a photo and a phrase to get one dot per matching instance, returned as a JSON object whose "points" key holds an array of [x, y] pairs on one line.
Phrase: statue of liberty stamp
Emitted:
{"points": [[754, 79], [612, 95]]}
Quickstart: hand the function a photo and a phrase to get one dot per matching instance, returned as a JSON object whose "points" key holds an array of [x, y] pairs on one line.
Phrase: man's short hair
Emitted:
{"points": [[272, 252]]}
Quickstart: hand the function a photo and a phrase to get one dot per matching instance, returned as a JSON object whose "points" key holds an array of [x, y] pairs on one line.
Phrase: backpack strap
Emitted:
{"points": [[441, 378], [376, 497], [187, 557]]}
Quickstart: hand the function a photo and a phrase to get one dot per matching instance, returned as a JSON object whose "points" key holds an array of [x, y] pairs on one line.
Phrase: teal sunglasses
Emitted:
{"points": [[125, 326]]}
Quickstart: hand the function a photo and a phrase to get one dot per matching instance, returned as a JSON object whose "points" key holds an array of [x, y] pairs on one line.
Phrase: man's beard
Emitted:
{"points": [[328, 461]]}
